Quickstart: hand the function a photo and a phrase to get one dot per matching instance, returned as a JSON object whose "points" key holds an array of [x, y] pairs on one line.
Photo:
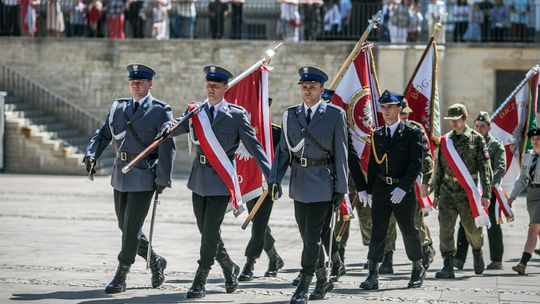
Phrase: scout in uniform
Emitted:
{"points": [[314, 145], [394, 164], [427, 172], [132, 124], [529, 178], [229, 124], [497, 157], [452, 198]]}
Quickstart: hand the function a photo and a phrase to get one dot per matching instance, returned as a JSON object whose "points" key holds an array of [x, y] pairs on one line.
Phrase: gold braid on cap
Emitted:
{"points": [[384, 158]]}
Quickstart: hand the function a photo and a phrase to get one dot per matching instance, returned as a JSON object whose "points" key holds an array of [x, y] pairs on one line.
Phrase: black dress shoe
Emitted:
{"points": [[157, 266], [300, 294], [372, 280], [118, 283], [198, 289], [418, 275], [322, 286], [247, 272]]}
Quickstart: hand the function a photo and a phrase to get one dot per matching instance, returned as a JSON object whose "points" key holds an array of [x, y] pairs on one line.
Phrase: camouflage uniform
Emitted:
{"points": [[453, 200]]}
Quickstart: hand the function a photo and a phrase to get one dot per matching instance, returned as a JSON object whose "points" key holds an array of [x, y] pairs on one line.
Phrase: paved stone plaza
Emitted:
{"points": [[59, 243]]}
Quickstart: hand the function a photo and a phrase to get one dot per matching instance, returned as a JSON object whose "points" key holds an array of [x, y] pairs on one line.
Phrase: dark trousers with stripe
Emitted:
{"points": [[209, 212], [311, 219], [131, 209], [405, 214]]}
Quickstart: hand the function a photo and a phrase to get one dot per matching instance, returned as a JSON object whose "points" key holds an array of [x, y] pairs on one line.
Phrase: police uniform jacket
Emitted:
{"points": [[403, 158], [313, 183], [230, 126], [145, 124], [528, 176]]}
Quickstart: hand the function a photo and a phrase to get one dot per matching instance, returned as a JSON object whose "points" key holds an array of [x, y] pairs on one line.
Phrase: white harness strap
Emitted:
{"points": [[118, 136], [300, 144]]}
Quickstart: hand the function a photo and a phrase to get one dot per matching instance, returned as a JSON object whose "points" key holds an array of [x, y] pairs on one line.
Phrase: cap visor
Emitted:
{"points": [[453, 117]]}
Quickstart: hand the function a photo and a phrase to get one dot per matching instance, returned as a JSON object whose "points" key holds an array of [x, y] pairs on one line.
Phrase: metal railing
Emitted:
{"points": [[43, 99]]}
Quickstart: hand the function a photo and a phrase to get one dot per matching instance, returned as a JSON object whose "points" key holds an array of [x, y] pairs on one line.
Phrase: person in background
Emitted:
{"points": [[115, 19], [474, 28], [415, 27], [55, 18], [499, 21], [28, 17], [461, 13], [400, 19], [217, 11], [237, 18], [183, 14], [519, 19], [160, 29], [77, 18], [95, 9]]}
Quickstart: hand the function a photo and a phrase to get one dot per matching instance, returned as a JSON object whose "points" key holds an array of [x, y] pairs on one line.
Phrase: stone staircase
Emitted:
{"points": [[44, 136]]}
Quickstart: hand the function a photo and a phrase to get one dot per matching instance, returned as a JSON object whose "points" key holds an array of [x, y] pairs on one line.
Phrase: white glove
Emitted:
{"points": [[397, 195], [363, 196], [369, 202]]}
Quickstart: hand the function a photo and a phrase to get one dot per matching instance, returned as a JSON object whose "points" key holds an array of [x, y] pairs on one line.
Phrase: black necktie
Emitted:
{"points": [[136, 105], [211, 110], [533, 167], [388, 134], [308, 117]]}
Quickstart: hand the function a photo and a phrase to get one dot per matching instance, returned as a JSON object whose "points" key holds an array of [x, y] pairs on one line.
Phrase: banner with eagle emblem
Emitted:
{"points": [[251, 93]]}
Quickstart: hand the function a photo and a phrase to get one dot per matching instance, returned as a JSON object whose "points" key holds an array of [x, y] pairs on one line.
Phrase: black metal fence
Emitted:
{"points": [[260, 19]]}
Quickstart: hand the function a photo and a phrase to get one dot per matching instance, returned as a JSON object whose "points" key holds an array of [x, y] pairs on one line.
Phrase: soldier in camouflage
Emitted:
{"points": [[498, 165], [451, 198]]}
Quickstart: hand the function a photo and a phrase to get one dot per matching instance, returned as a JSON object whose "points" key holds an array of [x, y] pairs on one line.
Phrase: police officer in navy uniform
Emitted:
{"points": [[394, 164], [131, 125], [210, 194], [314, 145]]}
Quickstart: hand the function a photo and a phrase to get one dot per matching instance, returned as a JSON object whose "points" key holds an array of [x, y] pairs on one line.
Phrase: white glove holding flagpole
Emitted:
{"points": [[363, 196], [397, 195]]}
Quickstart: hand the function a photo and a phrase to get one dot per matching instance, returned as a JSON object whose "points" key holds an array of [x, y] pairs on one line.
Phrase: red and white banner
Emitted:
{"points": [[426, 204], [357, 93], [501, 205], [461, 172], [345, 210], [422, 94], [510, 124], [252, 94], [216, 155]]}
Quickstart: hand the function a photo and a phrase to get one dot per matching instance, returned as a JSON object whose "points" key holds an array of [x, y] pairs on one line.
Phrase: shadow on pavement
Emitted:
{"points": [[62, 295]]}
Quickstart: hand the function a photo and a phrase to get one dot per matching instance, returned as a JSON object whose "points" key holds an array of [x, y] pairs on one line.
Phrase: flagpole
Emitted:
{"points": [[373, 23], [533, 70], [264, 61]]}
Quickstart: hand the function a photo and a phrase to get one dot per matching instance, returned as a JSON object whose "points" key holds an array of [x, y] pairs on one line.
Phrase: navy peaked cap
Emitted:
{"points": [[388, 97], [216, 73], [140, 71], [310, 73]]}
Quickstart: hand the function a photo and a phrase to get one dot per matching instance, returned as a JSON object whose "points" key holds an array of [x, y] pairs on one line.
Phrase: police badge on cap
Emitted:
{"points": [[137, 71], [533, 132], [217, 74], [311, 73]]}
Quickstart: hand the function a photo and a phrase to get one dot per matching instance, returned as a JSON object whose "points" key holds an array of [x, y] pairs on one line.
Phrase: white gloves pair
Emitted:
{"points": [[397, 195], [365, 198]]}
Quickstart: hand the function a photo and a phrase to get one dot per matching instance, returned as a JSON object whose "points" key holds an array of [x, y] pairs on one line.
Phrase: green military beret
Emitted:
{"points": [[456, 111], [483, 116]]}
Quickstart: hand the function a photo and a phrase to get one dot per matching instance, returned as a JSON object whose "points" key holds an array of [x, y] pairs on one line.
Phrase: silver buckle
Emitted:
{"points": [[303, 161], [123, 156], [202, 159], [389, 180]]}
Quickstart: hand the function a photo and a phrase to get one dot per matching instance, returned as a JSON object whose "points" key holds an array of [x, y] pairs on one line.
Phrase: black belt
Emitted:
{"points": [[534, 186], [127, 157], [387, 179], [310, 162], [203, 160]]}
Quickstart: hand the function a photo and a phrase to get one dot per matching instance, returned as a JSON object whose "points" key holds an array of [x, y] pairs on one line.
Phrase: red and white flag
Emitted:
{"points": [[510, 124], [422, 94], [357, 93], [252, 94]]}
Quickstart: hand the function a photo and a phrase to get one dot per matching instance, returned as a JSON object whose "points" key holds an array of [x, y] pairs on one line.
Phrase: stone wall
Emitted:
{"points": [[91, 72]]}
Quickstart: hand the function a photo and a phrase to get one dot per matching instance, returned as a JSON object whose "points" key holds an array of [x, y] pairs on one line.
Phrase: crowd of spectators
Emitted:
{"points": [[404, 21]]}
